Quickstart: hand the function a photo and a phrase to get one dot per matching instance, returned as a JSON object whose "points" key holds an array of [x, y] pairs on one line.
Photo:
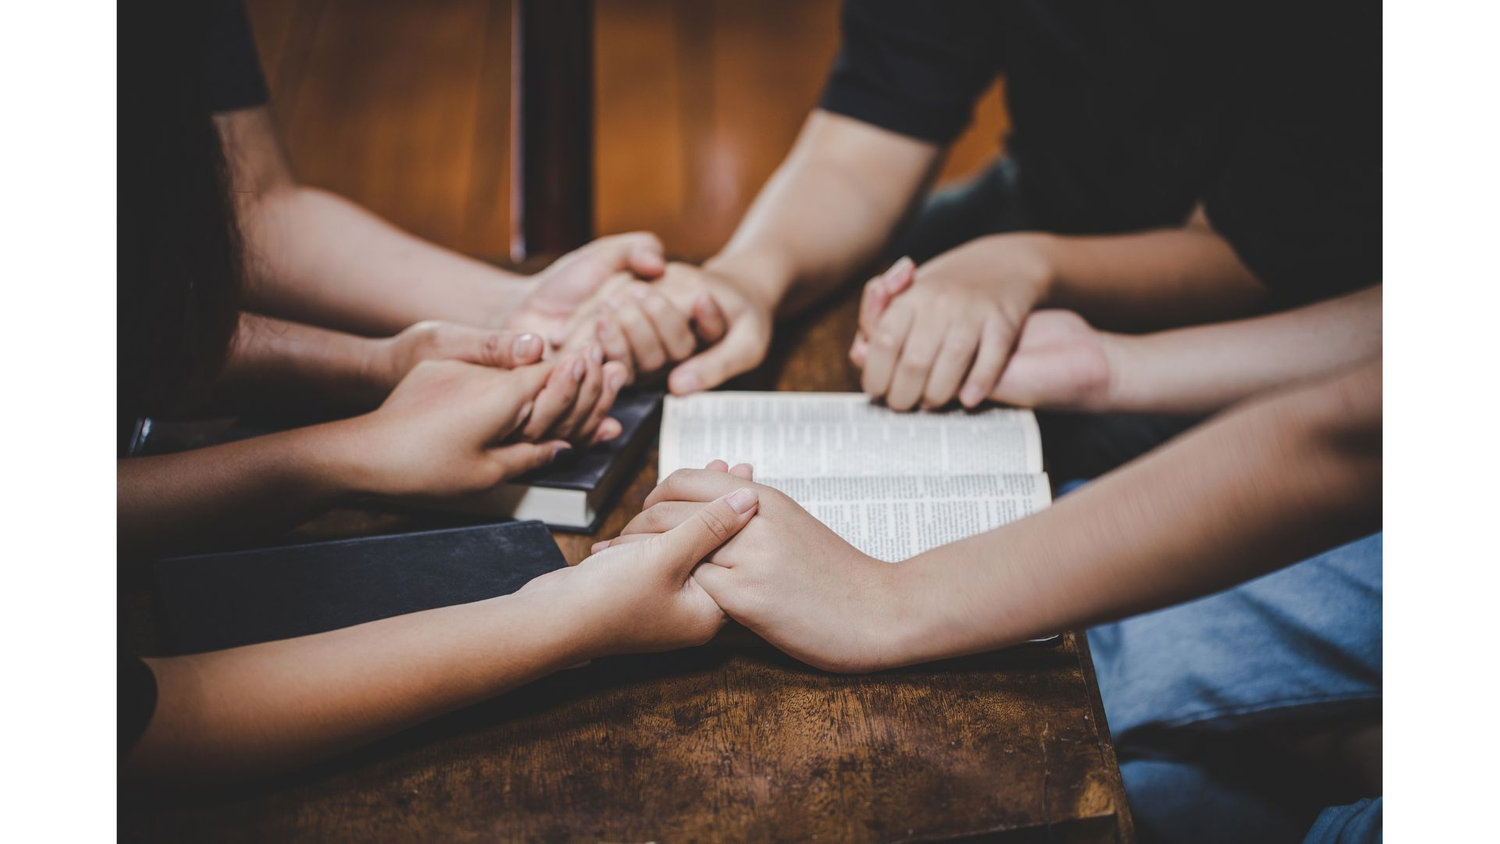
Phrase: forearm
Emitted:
{"points": [[827, 211], [266, 707], [274, 362], [274, 481], [1259, 488], [1150, 280], [1204, 368], [317, 258]]}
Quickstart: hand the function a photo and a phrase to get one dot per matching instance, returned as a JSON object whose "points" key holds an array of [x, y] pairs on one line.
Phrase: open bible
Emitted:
{"points": [[892, 484]]}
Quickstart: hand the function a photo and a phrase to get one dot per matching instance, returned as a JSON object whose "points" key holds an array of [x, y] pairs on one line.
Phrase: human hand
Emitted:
{"points": [[641, 596], [1062, 363], [642, 327], [390, 358], [730, 317], [552, 304], [451, 427], [786, 576], [946, 329]]}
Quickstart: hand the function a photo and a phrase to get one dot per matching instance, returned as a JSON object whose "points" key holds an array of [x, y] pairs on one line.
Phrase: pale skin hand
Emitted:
{"points": [[254, 710], [1261, 486]]}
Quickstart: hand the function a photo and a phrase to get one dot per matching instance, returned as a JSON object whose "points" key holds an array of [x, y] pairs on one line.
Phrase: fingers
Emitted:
{"points": [[989, 363], [879, 292], [741, 350], [743, 470], [647, 257], [714, 524], [516, 459], [693, 485], [614, 342], [662, 517], [709, 322], [672, 326], [955, 354], [885, 350], [598, 427], [506, 349], [555, 399], [571, 426], [645, 347]]}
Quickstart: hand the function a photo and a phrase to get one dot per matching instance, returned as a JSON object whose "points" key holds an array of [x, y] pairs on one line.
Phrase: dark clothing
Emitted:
{"points": [[1127, 113], [136, 693], [231, 69]]}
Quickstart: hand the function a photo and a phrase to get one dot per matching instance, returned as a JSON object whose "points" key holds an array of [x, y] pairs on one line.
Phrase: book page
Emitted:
{"points": [[897, 517], [800, 435]]}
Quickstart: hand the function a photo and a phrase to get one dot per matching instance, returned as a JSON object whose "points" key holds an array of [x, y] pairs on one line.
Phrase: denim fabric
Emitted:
{"points": [[1188, 690]]}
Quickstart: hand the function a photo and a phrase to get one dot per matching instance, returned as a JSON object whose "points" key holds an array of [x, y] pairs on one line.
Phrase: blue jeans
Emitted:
{"points": [[1197, 694]]}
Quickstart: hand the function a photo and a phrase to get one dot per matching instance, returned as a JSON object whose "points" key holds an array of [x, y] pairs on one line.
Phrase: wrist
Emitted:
{"points": [[1038, 254], [763, 279], [1126, 362], [375, 369]]}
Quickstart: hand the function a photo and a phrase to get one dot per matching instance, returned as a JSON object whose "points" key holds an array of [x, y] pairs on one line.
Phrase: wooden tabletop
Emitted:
{"points": [[726, 742]]}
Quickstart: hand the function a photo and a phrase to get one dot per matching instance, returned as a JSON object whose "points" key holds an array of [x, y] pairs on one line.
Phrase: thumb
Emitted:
{"points": [[519, 458], [508, 396], [685, 546], [737, 352], [647, 258], [879, 292], [504, 349]]}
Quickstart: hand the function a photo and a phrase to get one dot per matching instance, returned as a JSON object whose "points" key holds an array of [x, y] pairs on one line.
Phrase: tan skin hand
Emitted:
{"points": [[733, 324], [641, 596], [1060, 363], [945, 330], [561, 290], [394, 357], [451, 428], [767, 576]]}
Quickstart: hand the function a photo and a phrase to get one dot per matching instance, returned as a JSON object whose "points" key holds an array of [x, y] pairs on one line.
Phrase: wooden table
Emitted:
{"points": [[717, 743]]}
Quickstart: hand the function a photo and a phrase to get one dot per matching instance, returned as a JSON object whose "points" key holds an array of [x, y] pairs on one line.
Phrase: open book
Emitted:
{"points": [[892, 484]]}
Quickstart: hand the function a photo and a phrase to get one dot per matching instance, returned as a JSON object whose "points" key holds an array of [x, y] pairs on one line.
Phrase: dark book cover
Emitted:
{"points": [[213, 601], [638, 411]]}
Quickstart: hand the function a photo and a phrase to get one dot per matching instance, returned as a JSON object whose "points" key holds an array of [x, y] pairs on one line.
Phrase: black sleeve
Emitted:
{"points": [[1298, 194], [914, 68], [136, 690], [231, 69]]}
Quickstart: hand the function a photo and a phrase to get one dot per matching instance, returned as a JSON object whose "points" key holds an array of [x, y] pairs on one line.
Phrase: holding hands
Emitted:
{"points": [[786, 576], [452, 427], [945, 330]]}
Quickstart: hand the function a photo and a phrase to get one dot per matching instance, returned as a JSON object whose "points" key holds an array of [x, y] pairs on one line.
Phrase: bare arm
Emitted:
{"points": [[1063, 363], [825, 213], [256, 709], [448, 428], [318, 258], [1261, 487]]}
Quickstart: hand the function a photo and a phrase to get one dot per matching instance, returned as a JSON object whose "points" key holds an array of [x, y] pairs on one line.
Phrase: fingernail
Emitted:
{"points": [[599, 546], [527, 346], [971, 395], [577, 370], [742, 500], [525, 410], [560, 447], [609, 429], [596, 354], [616, 382], [905, 263], [688, 382]]}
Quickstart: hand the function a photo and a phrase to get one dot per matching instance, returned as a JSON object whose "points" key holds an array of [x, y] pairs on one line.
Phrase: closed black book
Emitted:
{"points": [[213, 601], [573, 493]]}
